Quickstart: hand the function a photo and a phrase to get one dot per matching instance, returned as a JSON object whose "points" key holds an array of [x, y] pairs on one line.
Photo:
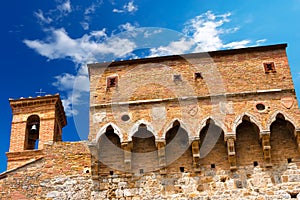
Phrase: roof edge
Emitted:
{"points": [[191, 55]]}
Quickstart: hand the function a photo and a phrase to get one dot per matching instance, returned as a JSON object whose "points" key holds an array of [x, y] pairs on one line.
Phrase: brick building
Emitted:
{"points": [[221, 125]]}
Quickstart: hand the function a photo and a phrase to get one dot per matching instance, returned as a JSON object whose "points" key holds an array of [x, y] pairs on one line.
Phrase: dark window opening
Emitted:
{"points": [[213, 166], [223, 179], [32, 133], [141, 171], [255, 163], [87, 171], [289, 160], [181, 169], [111, 173], [177, 78], [294, 195], [269, 67], [198, 75], [112, 81], [260, 106]]}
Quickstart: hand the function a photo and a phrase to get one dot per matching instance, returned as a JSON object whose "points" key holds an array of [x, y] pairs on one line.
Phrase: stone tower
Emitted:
{"points": [[35, 121]]}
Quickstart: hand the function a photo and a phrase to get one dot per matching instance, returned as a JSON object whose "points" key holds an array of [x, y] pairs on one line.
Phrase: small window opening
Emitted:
{"points": [[198, 75], [181, 169], [87, 171], [213, 166], [260, 106], [289, 160], [141, 171], [177, 78], [223, 179], [112, 81], [269, 67], [293, 195], [111, 173], [255, 163]]}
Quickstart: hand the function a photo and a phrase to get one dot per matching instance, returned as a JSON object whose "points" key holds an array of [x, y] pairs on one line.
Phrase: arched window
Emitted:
{"points": [[283, 142], [32, 132], [248, 147], [213, 151], [179, 155], [144, 151], [110, 153]]}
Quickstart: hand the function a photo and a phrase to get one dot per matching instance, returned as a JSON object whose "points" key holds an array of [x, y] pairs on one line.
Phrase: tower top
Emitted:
{"points": [[33, 104]]}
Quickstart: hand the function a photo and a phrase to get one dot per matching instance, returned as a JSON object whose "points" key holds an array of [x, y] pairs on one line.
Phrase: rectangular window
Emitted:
{"points": [[269, 67], [112, 81]]}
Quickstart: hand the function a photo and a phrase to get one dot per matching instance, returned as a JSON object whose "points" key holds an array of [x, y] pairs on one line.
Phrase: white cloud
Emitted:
{"points": [[127, 27], [75, 86], [89, 48], [92, 8], [65, 7], [237, 44], [85, 25], [259, 42], [175, 48], [67, 81], [205, 30], [40, 16], [203, 33], [129, 7]]}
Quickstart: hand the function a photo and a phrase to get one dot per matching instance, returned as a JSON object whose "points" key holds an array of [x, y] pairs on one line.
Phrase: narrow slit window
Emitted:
{"points": [[255, 163], [269, 67], [181, 169]]}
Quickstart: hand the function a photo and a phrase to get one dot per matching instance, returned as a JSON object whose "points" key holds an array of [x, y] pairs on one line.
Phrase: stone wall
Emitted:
{"points": [[63, 173]]}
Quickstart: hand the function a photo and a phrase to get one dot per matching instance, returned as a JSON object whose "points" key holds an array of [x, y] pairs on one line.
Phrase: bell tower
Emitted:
{"points": [[35, 121]]}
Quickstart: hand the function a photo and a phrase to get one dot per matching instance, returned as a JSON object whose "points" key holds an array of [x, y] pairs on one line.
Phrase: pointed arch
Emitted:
{"points": [[178, 150], [102, 131], [283, 137], [274, 115], [252, 119], [170, 125], [212, 144], [136, 126], [215, 121], [248, 139]]}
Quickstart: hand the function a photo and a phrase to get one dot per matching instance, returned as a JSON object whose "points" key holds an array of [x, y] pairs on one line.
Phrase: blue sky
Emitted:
{"points": [[47, 44]]}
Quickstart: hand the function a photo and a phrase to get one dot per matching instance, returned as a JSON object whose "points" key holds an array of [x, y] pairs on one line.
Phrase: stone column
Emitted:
{"points": [[127, 148], [94, 161], [231, 152], [161, 153], [265, 141], [196, 155]]}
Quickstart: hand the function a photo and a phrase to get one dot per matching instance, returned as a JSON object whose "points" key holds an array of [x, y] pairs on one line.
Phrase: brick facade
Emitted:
{"points": [[216, 125]]}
